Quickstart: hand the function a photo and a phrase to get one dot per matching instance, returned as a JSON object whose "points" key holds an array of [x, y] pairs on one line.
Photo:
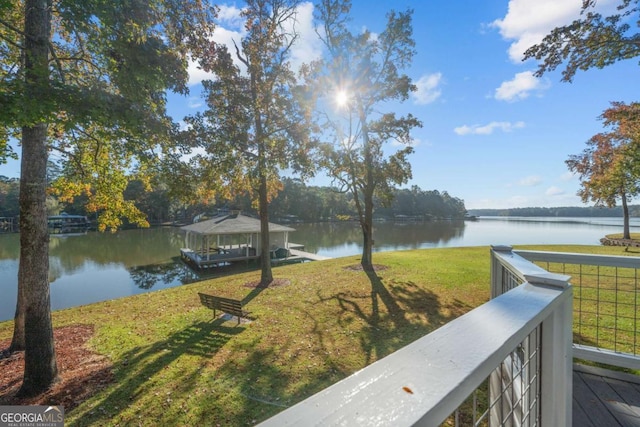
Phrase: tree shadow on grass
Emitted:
{"points": [[378, 290], [268, 380], [426, 303], [138, 369], [395, 314]]}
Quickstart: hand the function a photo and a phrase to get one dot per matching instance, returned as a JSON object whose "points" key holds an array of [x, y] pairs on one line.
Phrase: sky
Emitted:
{"points": [[493, 134]]}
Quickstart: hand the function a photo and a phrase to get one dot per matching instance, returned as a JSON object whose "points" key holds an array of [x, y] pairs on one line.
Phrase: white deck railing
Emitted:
{"points": [[606, 304], [490, 358]]}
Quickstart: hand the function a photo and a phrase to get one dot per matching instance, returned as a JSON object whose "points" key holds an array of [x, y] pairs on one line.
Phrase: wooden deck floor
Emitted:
{"points": [[605, 398]]}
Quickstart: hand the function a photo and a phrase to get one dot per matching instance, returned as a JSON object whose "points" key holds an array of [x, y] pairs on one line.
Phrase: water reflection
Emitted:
{"points": [[176, 272], [342, 239], [95, 266], [400, 236], [147, 276]]}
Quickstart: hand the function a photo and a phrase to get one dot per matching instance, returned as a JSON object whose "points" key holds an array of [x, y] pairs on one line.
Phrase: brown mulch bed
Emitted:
{"points": [[82, 372], [358, 267], [274, 284]]}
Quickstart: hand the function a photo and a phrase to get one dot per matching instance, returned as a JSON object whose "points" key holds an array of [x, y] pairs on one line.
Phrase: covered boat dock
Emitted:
{"points": [[230, 238]]}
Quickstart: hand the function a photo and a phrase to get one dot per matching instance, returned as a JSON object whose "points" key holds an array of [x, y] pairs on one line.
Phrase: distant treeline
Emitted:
{"points": [[570, 211], [312, 203], [295, 202]]}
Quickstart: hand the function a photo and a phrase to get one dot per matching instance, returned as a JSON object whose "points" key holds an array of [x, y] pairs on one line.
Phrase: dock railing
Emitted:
{"points": [[483, 368], [606, 316]]}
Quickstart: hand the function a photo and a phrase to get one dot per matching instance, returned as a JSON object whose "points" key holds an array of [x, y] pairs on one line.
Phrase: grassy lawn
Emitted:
{"points": [[175, 365], [634, 236]]}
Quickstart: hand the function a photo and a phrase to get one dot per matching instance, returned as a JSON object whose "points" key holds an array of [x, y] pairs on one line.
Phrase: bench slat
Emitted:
{"points": [[227, 305]]}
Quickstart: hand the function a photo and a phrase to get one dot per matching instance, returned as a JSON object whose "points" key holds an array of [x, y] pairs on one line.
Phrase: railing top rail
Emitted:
{"points": [[517, 264], [584, 259], [427, 380]]}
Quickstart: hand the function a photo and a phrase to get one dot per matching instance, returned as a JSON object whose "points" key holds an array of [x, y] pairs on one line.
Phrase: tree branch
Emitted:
{"points": [[15, 30]]}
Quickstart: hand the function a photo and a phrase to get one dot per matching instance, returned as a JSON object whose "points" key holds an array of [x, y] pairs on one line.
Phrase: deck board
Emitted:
{"points": [[605, 398], [307, 255]]}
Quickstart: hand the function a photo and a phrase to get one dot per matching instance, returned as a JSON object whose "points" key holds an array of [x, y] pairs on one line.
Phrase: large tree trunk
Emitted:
{"points": [[17, 342], [366, 220], [40, 369], [367, 245], [625, 212], [266, 275]]}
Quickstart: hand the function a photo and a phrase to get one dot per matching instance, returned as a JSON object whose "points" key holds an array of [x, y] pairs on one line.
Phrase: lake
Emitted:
{"points": [[95, 267]]}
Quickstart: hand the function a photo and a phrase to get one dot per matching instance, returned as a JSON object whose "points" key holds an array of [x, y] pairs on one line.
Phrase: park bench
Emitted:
{"points": [[227, 305]]}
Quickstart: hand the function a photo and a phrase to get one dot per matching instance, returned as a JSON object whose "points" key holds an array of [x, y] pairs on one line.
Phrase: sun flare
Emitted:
{"points": [[342, 98]]}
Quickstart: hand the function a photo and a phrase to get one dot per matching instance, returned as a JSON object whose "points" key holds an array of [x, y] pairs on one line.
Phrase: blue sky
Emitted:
{"points": [[492, 134]]}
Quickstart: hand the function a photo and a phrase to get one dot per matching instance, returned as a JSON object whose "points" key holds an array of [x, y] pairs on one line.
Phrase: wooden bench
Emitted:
{"points": [[227, 305]]}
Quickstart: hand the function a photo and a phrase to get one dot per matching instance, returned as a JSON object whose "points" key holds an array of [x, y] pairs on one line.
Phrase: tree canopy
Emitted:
{"points": [[256, 123], [73, 68], [591, 41], [608, 167], [109, 66], [360, 76]]}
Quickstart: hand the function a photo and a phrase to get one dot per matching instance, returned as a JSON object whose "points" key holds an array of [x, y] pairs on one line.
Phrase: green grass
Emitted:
{"points": [[175, 365], [634, 236]]}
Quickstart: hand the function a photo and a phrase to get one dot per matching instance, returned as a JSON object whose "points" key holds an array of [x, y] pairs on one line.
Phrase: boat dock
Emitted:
{"points": [[216, 258], [226, 255]]}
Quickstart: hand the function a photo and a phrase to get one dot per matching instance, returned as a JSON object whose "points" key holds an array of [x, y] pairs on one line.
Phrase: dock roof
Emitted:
{"points": [[232, 224]]}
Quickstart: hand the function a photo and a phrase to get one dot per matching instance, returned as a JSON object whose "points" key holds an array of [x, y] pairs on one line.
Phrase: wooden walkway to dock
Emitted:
{"points": [[296, 256], [604, 398], [307, 255]]}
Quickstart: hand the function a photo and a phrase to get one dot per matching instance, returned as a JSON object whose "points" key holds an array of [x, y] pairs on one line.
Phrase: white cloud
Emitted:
{"points": [[197, 74], [427, 88], [554, 191], [568, 176], [230, 16], [530, 181], [520, 87], [194, 102], [488, 129], [308, 46], [528, 21]]}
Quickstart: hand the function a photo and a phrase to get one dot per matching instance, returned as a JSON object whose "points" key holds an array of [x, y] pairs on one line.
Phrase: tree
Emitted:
{"points": [[608, 166], [75, 66], [362, 74], [591, 41], [9, 194], [256, 123]]}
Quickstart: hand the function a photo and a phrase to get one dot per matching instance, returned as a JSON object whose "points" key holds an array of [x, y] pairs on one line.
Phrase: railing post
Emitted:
{"points": [[496, 269], [553, 387], [557, 357]]}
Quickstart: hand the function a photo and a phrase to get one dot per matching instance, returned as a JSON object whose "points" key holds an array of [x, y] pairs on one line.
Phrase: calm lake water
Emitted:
{"points": [[95, 267]]}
